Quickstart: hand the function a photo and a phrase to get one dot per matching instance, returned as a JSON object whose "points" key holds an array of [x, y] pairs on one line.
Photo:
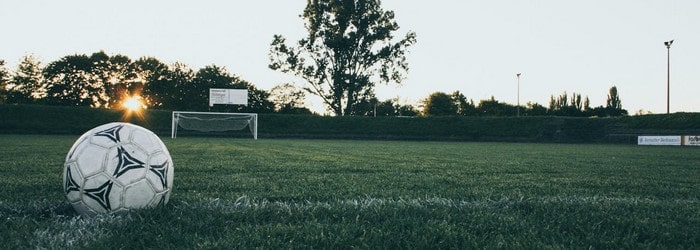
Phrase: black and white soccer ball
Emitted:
{"points": [[117, 167]]}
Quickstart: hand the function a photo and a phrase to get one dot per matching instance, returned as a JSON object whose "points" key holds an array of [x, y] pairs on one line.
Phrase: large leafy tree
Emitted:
{"points": [[117, 76], [153, 77], [287, 99], [27, 81], [171, 88], [349, 48], [97, 80], [439, 103], [492, 107], [464, 107], [178, 87], [69, 82]]}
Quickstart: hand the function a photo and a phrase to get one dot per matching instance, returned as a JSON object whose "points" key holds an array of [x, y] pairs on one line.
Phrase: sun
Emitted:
{"points": [[133, 103]]}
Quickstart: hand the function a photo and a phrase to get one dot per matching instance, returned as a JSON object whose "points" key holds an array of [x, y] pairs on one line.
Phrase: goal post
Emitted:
{"points": [[214, 122]]}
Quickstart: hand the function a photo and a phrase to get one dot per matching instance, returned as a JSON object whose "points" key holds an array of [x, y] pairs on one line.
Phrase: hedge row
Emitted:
{"points": [[34, 119]]}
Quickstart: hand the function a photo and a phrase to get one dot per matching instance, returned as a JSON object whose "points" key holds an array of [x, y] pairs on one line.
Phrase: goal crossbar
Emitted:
{"points": [[214, 122]]}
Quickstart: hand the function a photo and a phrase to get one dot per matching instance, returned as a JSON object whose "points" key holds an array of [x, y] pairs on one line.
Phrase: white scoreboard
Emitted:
{"points": [[228, 96]]}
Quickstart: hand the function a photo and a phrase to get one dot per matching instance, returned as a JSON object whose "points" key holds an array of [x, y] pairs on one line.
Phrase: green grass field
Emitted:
{"points": [[339, 194]]}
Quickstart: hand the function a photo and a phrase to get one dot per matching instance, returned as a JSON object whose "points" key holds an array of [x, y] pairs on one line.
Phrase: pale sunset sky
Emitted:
{"points": [[476, 47]]}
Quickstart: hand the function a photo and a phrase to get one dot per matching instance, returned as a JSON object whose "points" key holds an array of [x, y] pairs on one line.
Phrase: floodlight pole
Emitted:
{"points": [[668, 76], [518, 75]]}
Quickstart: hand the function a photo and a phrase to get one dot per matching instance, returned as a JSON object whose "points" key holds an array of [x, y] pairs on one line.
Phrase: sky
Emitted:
{"points": [[475, 47]]}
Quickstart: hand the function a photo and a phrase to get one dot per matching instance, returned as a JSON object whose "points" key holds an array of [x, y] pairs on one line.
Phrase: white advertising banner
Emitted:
{"points": [[691, 140], [672, 140], [228, 96]]}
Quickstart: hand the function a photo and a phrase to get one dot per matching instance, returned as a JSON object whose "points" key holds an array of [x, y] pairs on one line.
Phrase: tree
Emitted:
{"points": [[364, 107], [613, 105], [438, 104], [4, 80], [535, 109], [153, 76], [348, 49], [575, 106], [405, 110], [26, 82], [613, 101], [98, 80], [464, 107], [118, 76], [287, 99], [389, 107], [576, 101], [69, 82], [492, 107], [386, 108], [172, 86]]}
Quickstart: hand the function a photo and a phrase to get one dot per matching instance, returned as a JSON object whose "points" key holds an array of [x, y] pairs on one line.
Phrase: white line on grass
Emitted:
{"points": [[247, 203], [64, 231], [72, 232]]}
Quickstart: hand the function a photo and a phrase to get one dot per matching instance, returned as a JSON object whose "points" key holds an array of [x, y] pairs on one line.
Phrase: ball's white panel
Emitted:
{"points": [[78, 146], [138, 195], [147, 140], [91, 160]]}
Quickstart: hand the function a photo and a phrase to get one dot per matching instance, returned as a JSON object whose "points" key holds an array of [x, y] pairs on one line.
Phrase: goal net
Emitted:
{"points": [[214, 122]]}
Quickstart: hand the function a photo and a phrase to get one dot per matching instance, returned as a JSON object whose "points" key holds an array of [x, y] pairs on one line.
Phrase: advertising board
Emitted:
{"points": [[672, 140], [228, 96], [691, 140]]}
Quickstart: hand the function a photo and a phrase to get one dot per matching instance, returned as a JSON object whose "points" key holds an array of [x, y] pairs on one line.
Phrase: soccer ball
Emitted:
{"points": [[117, 167]]}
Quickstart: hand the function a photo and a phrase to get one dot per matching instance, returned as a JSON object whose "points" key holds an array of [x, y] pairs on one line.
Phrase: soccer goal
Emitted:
{"points": [[214, 122]]}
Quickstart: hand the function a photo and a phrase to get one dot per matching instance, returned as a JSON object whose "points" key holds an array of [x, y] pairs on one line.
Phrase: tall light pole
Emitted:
{"points": [[518, 75], [668, 76]]}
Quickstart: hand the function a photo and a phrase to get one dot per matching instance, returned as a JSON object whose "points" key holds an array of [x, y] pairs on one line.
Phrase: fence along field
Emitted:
{"points": [[241, 193]]}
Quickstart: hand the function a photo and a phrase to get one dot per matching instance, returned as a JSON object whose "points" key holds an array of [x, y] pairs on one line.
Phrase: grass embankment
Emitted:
{"points": [[234, 193], [33, 119]]}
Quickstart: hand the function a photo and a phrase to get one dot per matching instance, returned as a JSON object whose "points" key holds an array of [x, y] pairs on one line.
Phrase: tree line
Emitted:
{"points": [[102, 81], [440, 103]]}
